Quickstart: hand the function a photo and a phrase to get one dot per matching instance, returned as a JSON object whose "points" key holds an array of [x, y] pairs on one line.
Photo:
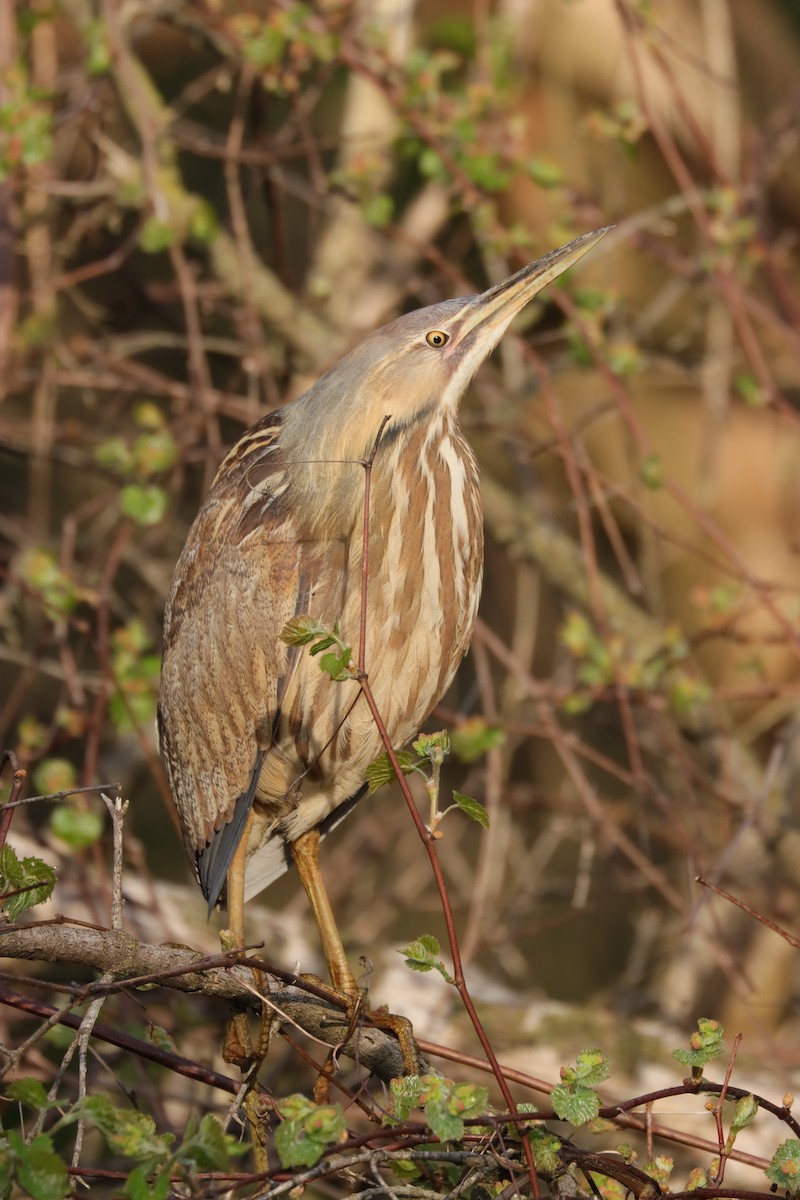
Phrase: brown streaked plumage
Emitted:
{"points": [[260, 746]]}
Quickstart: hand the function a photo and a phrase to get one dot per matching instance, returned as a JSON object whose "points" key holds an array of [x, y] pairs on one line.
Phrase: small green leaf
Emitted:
{"points": [[433, 746], [30, 878], [143, 503], [575, 1103], [422, 953], [380, 772], [378, 210], [592, 1067], [158, 1036], [324, 643], [41, 1173], [474, 737], [127, 1132], [300, 630], [306, 1130], [54, 775], [115, 454], [750, 390], [337, 665], [651, 472], [78, 827], [153, 452], [473, 808], [210, 1148], [546, 1149], [138, 1187], [545, 171], [447, 1126], [706, 1043], [744, 1113], [28, 1091], [784, 1167], [156, 235]]}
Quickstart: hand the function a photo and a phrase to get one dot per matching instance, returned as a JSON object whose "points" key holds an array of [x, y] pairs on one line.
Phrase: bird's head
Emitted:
{"points": [[422, 363]]}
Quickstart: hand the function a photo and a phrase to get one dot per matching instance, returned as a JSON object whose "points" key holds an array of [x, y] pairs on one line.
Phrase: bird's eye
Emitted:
{"points": [[437, 338]]}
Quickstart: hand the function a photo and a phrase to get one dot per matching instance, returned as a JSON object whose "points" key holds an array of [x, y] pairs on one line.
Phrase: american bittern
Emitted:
{"points": [[265, 753]]}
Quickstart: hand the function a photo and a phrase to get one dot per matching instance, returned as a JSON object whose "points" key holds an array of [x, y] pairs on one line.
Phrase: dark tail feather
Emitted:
{"points": [[213, 862]]}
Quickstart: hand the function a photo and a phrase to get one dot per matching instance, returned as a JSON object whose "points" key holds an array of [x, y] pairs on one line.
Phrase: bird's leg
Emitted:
{"points": [[305, 851], [238, 1045]]}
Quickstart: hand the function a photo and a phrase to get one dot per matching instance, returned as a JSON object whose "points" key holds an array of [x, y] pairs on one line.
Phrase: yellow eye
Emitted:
{"points": [[437, 338]]}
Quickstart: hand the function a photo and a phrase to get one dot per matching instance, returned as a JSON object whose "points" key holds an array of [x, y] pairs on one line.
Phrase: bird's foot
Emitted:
{"points": [[354, 1000]]}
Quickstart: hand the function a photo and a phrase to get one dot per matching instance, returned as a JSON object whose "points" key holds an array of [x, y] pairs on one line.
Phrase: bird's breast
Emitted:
{"points": [[424, 551]]}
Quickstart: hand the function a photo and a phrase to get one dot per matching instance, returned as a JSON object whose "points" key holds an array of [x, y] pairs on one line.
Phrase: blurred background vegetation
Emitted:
{"points": [[201, 208]]}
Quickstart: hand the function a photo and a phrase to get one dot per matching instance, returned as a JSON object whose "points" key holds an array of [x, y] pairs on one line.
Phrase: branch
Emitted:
{"points": [[182, 969]]}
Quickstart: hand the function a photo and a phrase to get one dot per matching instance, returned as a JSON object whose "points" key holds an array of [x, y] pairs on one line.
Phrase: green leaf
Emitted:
{"points": [[447, 1126], [407, 1093], [29, 1091], [474, 737], [592, 1067], [127, 1132], [750, 390], [744, 1113], [143, 503], [545, 171], [154, 451], [158, 1036], [210, 1148], [473, 808], [546, 1149], [54, 775], [433, 746], [306, 1130], [784, 1167], [300, 630], [706, 1043], [78, 827], [138, 1187], [41, 1172], [651, 472], [378, 210], [40, 570], [115, 454], [156, 235], [380, 772], [31, 879], [422, 954], [337, 665], [575, 1103]]}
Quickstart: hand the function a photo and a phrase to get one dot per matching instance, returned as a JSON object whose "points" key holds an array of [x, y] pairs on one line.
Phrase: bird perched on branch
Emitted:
{"points": [[265, 753]]}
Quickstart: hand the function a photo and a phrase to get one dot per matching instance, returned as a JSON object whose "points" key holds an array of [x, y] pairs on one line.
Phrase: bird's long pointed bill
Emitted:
{"points": [[494, 309]]}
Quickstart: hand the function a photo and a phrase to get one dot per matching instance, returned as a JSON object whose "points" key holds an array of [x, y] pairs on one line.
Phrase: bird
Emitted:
{"points": [[264, 752]]}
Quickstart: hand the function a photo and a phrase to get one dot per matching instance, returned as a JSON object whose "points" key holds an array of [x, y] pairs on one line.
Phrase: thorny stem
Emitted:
{"points": [[428, 840]]}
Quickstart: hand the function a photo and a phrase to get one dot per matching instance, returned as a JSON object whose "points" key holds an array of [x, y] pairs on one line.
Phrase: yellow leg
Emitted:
{"points": [[238, 1048], [305, 852]]}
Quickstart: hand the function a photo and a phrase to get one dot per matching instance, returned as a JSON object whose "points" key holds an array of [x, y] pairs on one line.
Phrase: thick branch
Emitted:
{"points": [[181, 968]]}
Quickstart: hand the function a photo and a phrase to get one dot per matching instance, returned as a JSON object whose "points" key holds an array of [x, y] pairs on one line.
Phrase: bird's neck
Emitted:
{"points": [[328, 480]]}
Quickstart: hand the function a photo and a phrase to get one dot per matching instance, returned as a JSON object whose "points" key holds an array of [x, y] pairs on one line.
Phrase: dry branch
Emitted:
{"points": [[134, 963]]}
